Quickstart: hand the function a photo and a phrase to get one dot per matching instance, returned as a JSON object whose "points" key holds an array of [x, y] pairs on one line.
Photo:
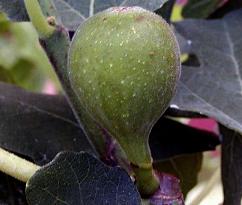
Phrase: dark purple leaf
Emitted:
{"points": [[232, 166], [226, 8], [72, 13], [169, 138], [78, 178], [213, 88], [11, 191], [37, 125]]}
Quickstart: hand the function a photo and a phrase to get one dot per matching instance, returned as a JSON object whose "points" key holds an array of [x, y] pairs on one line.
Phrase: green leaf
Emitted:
{"points": [[5, 76], [185, 167], [78, 178], [231, 166], [38, 126], [214, 86]]}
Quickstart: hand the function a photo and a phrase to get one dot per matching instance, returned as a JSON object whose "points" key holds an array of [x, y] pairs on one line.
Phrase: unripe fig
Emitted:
{"points": [[124, 65]]}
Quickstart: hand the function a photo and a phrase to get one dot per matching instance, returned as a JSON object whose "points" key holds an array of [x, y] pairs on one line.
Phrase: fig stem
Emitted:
{"points": [[146, 180], [38, 19], [16, 167], [139, 155]]}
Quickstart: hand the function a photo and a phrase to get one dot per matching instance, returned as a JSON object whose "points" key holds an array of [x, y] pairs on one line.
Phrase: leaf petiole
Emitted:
{"points": [[16, 167]]}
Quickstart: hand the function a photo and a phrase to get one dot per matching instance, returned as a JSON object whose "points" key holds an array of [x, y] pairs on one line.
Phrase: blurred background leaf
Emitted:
{"points": [[22, 60], [15, 10]]}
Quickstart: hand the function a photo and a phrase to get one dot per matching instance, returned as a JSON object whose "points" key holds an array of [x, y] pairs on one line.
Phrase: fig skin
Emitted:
{"points": [[123, 66]]}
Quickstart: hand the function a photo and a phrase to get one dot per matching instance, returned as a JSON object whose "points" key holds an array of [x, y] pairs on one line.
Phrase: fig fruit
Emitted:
{"points": [[123, 66]]}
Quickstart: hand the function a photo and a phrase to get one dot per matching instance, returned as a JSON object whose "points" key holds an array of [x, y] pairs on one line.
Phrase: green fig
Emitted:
{"points": [[123, 66]]}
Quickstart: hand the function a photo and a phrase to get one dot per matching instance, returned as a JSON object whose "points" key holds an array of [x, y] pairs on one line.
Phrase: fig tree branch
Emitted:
{"points": [[38, 19]]}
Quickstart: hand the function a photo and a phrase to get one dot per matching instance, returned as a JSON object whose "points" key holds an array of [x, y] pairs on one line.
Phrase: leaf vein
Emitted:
{"points": [[91, 7], [46, 112], [231, 48], [72, 9]]}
